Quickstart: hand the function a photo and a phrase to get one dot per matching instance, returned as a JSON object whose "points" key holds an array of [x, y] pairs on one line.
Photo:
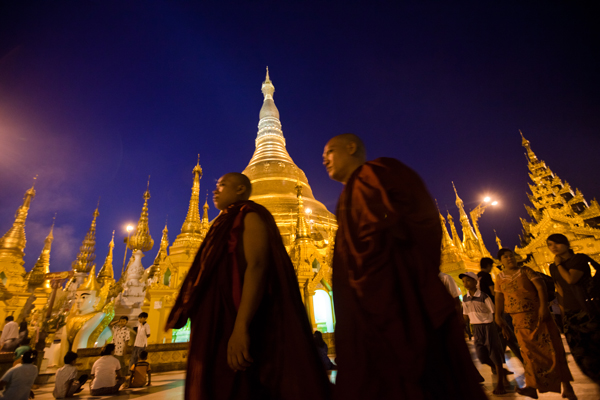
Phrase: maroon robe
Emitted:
{"points": [[398, 335], [286, 363]]}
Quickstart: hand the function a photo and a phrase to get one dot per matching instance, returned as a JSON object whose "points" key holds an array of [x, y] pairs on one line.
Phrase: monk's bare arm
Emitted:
{"points": [[256, 252]]}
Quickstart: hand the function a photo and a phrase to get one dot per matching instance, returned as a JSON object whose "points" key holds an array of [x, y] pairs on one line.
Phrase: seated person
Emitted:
{"points": [[67, 383], [19, 379], [106, 378], [22, 349], [139, 370]]}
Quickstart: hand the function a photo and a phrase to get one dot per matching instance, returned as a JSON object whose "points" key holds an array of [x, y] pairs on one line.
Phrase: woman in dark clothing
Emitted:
{"points": [[322, 348], [572, 273]]}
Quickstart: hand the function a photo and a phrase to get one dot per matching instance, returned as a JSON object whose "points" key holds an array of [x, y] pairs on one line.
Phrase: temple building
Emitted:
{"points": [[556, 209]]}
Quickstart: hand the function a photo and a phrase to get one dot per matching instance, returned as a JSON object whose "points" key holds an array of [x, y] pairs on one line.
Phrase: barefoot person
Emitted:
{"points": [[522, 293], [398, 334], [478, 310], [250, 335]]}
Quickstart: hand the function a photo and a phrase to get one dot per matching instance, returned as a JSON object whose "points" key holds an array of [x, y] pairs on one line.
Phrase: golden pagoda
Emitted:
{"points": [[84, 262], [556, 209], [142, 240], [163, 252], [36, 277], [106, 276]]}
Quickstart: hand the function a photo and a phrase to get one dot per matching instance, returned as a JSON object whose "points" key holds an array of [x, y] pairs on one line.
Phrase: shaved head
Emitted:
{"points": [[231, 188], [348, 138], [241, 180]]}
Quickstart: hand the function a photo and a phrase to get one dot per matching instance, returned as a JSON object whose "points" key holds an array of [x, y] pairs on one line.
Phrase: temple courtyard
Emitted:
{"points": [[170, 385]]}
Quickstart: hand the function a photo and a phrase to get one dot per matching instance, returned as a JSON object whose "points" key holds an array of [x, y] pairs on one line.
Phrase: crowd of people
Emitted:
{"points": [[399, 331]]}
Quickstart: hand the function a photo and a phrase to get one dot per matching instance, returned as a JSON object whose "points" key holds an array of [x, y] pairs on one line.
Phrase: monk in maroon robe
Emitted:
{"points": [[398, 335], [250, 335]]}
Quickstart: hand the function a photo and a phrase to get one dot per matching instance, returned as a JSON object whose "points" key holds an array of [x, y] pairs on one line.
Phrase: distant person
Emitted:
{"points": [[22, 349], [106, 378], [67, 384], [323, 350], [398, 334], [250, 334], [18, 381], [522, 293], [141, 338], [23, 331], [121, 336], [572, 273], [486, 283], [478, 310], [9, 340], [140, 372]]}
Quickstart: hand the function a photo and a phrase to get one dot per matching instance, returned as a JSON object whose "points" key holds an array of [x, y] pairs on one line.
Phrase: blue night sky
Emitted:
{"points": [[97, 95]]}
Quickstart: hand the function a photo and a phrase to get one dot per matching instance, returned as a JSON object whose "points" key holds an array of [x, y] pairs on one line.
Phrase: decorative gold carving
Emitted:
{"points": [[85, 259], [142, 239]]}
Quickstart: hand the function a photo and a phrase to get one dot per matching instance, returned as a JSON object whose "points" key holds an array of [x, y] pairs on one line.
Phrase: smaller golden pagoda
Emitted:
{"points": [[84, 262], [106, 276], [142, 240]]}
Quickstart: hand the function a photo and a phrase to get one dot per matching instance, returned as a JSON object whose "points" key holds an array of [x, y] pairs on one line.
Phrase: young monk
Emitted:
{"points": [[398, 333], [250, 335]]}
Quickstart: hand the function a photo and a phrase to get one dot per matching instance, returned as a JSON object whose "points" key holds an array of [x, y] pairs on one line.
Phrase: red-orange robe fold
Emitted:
{"points": [[398, 335], [286, 363]]}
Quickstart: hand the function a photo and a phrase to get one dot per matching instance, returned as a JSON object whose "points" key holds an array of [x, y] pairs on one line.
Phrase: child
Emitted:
{"points": [[121, 336], [139, 372], [141, 339], [67, 383], [478, 310]]}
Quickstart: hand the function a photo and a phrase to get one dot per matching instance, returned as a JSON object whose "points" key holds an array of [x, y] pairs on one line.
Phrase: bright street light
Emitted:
{"points": [[487, 199], [494, 203]]}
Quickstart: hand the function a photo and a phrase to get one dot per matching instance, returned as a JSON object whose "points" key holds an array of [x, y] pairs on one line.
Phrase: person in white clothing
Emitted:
{"points": [[121, 337], [10, 335], [67, 383], [106, 373], [453, 289], [141, 339], [20, 378]]}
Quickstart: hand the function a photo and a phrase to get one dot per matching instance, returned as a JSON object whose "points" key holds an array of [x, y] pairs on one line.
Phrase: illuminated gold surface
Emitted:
{"points": [[188, 241], [36, 277], [107, 273], [85, 259], [556, 209], [142, 240]]}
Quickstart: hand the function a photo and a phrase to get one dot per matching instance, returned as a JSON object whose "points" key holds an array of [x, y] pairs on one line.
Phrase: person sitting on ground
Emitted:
{"points": [[67, 384], [139, 371], [9, 340], [478, 309], [323, 350], [22, 349], [106, 378], [19, 379]]}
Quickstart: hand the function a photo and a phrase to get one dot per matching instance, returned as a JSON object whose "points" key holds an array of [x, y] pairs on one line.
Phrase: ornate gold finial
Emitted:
{"points": [[142, 239], [85, 259], [192, 226], [91, 283], [468, 233], [302, 231], [35, 277], [525, 143], [446, 240], [204, 229], [455, 238], [161, 255], [12, 244], [268, 89], [498, 242], [107, 273]]}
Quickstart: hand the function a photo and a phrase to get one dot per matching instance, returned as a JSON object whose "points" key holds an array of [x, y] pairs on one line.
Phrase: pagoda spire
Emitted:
{"points": [[12, 244], [498, 242], [530, 154], [468, 233], [270, 143], [302, 230], [35, 277], [142, 239], [446, 240], [192, 223], [455, 238], [85, 259], [107, 273], [204, 224], [163, 252]]}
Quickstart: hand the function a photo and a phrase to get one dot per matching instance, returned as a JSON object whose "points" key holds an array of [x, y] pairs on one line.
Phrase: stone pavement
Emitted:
{"points": [[170, 385]]}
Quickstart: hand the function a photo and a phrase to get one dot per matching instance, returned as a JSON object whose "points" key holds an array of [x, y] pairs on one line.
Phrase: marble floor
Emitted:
{"points": [[170, 385]]}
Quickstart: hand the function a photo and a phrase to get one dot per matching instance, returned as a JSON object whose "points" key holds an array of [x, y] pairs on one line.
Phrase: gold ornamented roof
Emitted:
{"points": [[90, 283], [87, 251], [107, 272], [274, 175], [142, 239], [162, 254], [12, 244], [36, 276], [191, 230]]}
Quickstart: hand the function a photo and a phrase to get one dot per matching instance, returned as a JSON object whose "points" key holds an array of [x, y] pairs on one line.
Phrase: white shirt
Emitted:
{"points": [[19, 381], [10, 331], [63, 376], [141, 340], [479, 308], [450, 284], [105, 372], [121, 336]]}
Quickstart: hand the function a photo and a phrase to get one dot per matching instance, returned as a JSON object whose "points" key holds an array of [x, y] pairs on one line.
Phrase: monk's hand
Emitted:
{"points": [[238, 350]]}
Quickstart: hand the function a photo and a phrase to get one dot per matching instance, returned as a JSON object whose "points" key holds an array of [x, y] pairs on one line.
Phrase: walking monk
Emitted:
{"points": [[250, 335], [398, 335]]}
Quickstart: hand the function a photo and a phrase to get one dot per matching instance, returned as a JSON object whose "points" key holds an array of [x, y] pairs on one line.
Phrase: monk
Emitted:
{"points": [[250, 335], [398, 335]]}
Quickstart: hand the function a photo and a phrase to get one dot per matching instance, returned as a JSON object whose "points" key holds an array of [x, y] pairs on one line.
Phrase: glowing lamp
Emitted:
{"points": [[487, 199], [494, 203], [129, 228], [308, 211]]}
